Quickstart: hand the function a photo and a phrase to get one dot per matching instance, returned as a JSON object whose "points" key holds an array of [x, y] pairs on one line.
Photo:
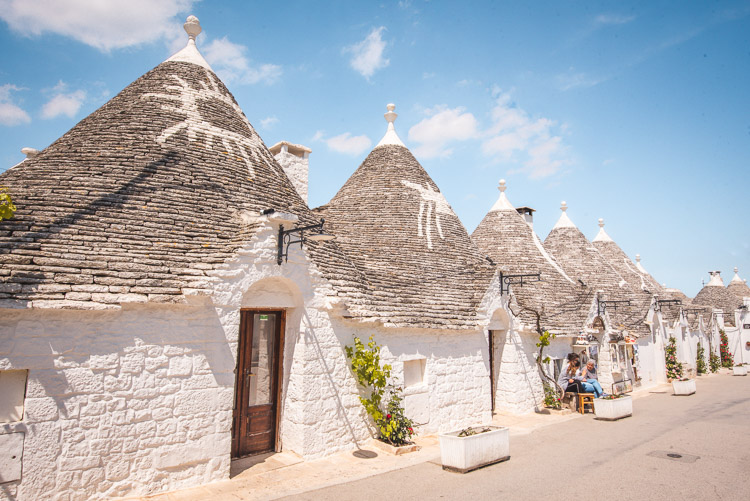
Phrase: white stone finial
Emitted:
{"points": [[501, 185], [564, 221], [32, 152], [192, 27], [736, 269], [502, 204], [563, 206], [637, 258], [190, 53], [390, 138], [602, 235]]}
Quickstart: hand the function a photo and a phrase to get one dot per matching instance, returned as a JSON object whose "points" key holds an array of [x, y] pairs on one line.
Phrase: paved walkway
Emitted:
{"points": [[284, 474]]}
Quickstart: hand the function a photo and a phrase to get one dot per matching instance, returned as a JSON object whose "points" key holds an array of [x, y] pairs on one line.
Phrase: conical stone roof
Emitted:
{"points": [[582, 260], [144, 197], [515, 248], [393, 222], [715, 295], [738, 287]]}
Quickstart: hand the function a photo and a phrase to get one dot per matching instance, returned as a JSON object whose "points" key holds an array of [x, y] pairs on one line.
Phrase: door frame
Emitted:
{"points": [[242, 339]]}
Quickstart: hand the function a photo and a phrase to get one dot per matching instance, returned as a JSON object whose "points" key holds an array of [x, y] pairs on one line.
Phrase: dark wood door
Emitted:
{"points": [[257, 390]]}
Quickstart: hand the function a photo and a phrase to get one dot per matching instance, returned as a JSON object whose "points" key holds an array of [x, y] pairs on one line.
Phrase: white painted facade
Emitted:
{"points": [[139, 400]]}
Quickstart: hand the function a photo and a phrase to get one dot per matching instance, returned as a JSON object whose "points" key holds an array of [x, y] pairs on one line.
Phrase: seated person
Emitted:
{"points": [[568, 380], [589, 380]]}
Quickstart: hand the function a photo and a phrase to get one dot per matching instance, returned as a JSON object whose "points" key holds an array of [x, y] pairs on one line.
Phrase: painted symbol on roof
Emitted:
{"points": [[433, 203], [186, 103]]}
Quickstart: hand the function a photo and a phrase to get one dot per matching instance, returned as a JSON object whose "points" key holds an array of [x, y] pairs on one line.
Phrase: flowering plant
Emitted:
{"points": [[700, 360], [714, 362], [394, 427], [727, 360], [613, 397], [551, 398], [674, 368]]}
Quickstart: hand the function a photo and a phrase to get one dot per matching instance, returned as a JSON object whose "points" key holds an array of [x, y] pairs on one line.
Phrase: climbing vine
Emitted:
{"points": [[727, 360], [7, 209], [393, 426], [674, 368], [700, 360]]}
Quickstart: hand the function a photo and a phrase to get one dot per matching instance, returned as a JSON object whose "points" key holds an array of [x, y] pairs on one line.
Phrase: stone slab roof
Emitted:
{"points": [[144, 197], [719, 297], [512, 244], [582, 260], [740, 290], [394, 223]]}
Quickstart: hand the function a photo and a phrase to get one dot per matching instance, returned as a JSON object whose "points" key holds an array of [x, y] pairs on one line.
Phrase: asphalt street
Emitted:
{"points": [[588, 459]]}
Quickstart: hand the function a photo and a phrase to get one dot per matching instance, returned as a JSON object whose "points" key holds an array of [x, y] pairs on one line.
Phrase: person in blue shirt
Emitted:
{"points": [[588, 378]]}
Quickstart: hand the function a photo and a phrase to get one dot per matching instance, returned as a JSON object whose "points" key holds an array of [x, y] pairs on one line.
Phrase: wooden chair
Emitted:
{"points": [[585, 399]]}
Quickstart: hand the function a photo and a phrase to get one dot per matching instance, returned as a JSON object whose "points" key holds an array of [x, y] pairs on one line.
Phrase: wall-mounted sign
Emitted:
{"points": [[746, 326]]}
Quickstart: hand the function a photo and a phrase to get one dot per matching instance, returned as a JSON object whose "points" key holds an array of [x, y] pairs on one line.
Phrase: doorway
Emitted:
{"points": [[258, 389]]}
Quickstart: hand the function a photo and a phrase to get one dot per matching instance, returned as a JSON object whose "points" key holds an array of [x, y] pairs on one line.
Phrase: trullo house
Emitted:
{"points": [[621, 312], [157, 318], [541, 296]]}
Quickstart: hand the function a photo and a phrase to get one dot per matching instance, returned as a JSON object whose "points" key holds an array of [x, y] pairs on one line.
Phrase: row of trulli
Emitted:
{"points": [[157, 318], [159, 315]]}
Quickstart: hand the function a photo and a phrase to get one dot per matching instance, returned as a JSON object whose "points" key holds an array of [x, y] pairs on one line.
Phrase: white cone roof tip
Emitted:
{"points": [[390, 138], [736, 279], [190, 53], [638, 264], [564, 221], [502, 204], [716, 280], [602, 235]]}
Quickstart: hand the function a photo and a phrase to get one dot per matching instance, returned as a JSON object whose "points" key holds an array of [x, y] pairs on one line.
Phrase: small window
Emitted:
{"points": [[12, 395], [414, 371]]}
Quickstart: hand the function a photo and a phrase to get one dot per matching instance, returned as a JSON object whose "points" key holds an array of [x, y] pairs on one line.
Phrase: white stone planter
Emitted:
{"points": [[464, 454], [739, 371], [684, 387], [617, 408]]}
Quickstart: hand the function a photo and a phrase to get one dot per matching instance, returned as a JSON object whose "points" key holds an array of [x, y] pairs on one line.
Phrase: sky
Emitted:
{"points": [[635, 112]]}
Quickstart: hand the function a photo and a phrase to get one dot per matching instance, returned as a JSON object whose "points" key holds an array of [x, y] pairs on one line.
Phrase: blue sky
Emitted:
{"points": [[637, 112]]}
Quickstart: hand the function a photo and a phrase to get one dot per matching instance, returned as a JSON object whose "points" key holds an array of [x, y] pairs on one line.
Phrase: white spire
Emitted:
{"points": [[390, 135], [638, 264], [716, 280], [190, 53], [602, 235], [502, 203], [736, 279], [564, 221]]}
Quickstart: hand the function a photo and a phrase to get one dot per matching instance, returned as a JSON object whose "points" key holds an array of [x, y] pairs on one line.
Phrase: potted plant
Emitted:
{"points": [[612, 407], [739, 370], [683, 386], [465, 450]]}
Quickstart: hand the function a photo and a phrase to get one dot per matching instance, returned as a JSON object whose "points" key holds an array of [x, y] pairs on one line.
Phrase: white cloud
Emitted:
{"points": [[230, 63], [367, 55], [608, 19], [63, 102], [269, 122], [536, 144], [348, 144], [10, 112], [105, 25], [573, 80], [442, 127]]}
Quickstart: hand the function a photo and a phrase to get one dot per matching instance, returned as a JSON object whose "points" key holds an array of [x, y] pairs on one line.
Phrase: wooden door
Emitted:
{"points": [[257, 393]]}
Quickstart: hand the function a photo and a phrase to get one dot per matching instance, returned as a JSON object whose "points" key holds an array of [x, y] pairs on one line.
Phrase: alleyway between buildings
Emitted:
{"points": [[552, 457]]}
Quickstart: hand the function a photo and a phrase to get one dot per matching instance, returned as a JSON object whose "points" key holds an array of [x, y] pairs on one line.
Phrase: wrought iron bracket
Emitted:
{"points": [[602, 305], [667, 302], [507, 280], [285, 239], [695, 311]]}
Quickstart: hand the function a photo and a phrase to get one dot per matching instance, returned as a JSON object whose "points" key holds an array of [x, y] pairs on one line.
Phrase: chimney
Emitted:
{"points": [[528, 215], [715, 279], [294, 159]]}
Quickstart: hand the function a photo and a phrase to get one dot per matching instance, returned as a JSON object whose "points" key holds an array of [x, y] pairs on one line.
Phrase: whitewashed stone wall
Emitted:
{"points": [[518, 385], [139, 400], [119, 401]]}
